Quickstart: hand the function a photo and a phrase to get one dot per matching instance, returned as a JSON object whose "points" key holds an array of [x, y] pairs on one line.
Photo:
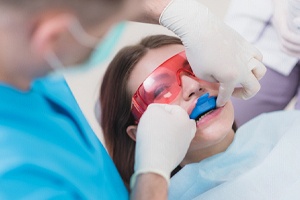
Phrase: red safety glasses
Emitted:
{"points": [[163, 85]]}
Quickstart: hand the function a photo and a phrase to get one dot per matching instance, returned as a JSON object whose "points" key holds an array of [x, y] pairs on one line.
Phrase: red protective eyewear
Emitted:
{"points": [[163, 85]]}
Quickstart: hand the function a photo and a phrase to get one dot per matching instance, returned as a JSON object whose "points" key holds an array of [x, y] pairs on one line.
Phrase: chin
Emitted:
{"points": [[212, 134]]}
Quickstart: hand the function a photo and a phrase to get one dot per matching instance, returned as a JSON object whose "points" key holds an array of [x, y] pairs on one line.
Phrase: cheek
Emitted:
{"points": [[179, 101], [225, 121]]}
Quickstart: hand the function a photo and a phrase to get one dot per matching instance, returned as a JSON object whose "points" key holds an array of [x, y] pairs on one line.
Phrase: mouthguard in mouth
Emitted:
{"points": [[204, 104]]}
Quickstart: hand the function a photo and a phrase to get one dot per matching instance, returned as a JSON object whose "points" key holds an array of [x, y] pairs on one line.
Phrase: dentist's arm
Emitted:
{"points": [[150, 186], [163, 136], [215, 51]]}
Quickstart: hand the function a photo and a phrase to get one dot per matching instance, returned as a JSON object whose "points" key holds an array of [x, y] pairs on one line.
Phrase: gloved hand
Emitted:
{"points": [[215, 51], [163, 137], [287, 25]]}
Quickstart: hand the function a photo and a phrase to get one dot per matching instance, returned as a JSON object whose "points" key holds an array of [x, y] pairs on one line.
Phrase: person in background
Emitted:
{"points": [[48, 149], [273, 27]]}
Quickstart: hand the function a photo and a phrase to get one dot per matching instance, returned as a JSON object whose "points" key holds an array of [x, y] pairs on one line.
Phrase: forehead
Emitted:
{"points": [[149, 63]]}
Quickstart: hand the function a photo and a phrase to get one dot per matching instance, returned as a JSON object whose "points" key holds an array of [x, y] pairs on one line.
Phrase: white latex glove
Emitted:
{"points": [[287, 25], [215, 51], [163, 137]]}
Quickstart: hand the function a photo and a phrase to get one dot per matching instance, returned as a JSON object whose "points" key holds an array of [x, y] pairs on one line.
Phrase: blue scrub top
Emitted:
{"points": [[48, 150]]}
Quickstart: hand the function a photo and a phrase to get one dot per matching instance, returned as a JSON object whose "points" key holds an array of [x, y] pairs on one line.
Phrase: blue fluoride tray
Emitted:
{"points": [[204, 104]]}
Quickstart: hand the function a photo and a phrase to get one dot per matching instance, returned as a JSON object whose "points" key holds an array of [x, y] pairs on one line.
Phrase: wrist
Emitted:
{"points": [[190, 20], [182, 12], [148, 172], [150, 186], [151, 11]]}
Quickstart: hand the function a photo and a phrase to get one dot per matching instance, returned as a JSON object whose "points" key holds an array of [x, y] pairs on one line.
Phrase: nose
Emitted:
{"points": [[191, 88]]}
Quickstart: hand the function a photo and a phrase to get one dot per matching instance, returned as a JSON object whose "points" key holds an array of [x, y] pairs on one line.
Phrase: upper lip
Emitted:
{"points": [[192, 106]]}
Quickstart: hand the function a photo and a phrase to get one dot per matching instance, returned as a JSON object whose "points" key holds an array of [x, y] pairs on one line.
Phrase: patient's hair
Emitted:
{"points": [[116, 99]]}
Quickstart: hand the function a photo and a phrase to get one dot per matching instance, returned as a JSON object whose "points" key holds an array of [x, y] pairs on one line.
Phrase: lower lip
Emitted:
{"points": [[205, 120]]}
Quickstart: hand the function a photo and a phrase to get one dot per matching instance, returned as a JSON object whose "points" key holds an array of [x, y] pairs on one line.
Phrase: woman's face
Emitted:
{"points": [[212, 128]]}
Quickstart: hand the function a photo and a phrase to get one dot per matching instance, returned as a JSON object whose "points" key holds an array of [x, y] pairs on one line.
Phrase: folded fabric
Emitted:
{"points": [[261, 163]]}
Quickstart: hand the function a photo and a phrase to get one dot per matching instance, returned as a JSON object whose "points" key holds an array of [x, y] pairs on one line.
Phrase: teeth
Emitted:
{"points": [[205, 115]]}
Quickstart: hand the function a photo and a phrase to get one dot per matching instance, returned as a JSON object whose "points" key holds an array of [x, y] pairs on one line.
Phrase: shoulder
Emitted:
{"points": [[54, 84]]}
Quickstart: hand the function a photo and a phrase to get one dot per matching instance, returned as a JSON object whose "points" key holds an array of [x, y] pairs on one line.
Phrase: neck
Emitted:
{"points": [[198, 155], [18, 80]]}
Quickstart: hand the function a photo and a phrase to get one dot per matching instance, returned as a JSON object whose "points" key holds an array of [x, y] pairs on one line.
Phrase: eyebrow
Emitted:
{"points": [[161, 76]]}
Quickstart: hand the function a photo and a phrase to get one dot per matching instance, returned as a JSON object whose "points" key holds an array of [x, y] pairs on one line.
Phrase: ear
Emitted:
{"points": [[131, 131], [48, 30]]}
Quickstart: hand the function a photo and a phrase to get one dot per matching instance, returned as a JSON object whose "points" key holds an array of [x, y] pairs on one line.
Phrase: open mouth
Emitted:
{"points": [[204, 114], [204, 106]]}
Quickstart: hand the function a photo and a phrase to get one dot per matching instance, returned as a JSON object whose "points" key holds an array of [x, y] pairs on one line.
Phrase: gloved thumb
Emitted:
{"points": [[225, 92], [181, 114], [175, 113], [175, 109], [296, 23]]}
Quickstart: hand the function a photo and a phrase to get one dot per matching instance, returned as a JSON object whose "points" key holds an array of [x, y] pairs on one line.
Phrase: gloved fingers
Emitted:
{"points": [[296, 23], [295, 54], [290, 46], [208, 78], [201, 74], [225, 92], [193, 129], [152, 110], [257, 67], [256, 53], [291, 38], [180, 113], [249, 88], [289, 42], [287, 33], [173, 109]]}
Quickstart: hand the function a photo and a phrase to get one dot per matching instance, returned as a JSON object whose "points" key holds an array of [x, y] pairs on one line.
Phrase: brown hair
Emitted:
{"points": [[115, 101]]}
